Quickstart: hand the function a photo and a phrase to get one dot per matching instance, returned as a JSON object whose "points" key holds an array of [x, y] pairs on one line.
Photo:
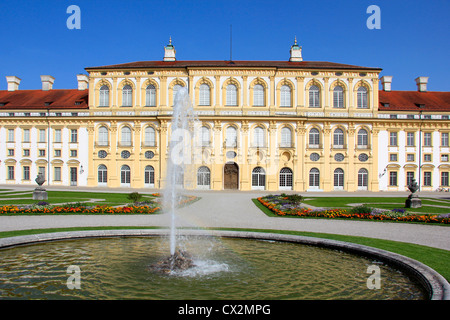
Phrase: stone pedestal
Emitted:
{"points": [[413, 201], [40, 194]]}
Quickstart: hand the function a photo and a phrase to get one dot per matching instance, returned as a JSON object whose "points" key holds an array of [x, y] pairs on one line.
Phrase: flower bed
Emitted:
{"points": [[279, 205]]}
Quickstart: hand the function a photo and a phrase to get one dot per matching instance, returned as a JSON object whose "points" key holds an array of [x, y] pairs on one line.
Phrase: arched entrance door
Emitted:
{"points": [[231, 176]]}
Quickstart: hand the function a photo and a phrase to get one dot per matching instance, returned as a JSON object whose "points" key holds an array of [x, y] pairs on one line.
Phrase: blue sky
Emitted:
{"points": [[413, 40]]}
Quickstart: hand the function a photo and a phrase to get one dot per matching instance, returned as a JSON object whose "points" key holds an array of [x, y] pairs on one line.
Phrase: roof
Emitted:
{"points": [[233, 64], [414, 101], [39, 99]]}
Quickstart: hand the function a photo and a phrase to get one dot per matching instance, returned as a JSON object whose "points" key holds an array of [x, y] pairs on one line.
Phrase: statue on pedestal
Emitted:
{"points": [[40, 193], [413, 200]]}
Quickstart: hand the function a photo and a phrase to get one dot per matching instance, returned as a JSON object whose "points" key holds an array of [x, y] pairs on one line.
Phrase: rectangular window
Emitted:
{"points": [[10, 135], [26, 135], [393, 157], [410, 139], [41, 170], [409, 177], [58, 137], [73, 153], [444, 139], [41, 152], [444, 157], [427, 178], [74, 135], [10, 172], [393, 178], [57, 174], [393, 139], [26, 152], [427, 157], [42, 135], [410, 157], [26, 173], [11, 152], [427, 139], [444, 179], [57, 153]]}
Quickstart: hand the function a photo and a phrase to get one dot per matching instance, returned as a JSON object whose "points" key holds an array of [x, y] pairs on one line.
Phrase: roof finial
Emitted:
{"points": [[170, 40], [295, 41]]}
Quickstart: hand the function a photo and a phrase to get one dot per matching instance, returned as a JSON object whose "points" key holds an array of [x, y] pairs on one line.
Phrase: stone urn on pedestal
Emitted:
{"points": [[413, 200], [40, 193]]}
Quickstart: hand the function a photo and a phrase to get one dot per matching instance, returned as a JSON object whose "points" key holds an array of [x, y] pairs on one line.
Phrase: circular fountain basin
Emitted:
{"points": [[115, 264]]}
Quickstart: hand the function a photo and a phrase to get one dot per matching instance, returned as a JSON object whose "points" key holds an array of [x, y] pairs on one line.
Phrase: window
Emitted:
{"points": [[258, 137], [57, 153], [286, 137], [444, 157], [393, 139], [125, 174], [258, 95], [231, 95], [11, 152], [74, 136], [338, 97], [393, 178], [338, 178], [149, 175], [26, 135], [363, 178], [363, 138], [126, 136], [314, 97], [57, 171], [10, 172], [203, 177], [10, 135], [103, 136], [444, 179], [41, 171], [409, 177], [285, 96], [150, 96], [204, 95], [26, 173], [58, 136], [393, 157], [73, 153], [150, 137], [258, 177], [104, 96], [127, 96], [41, 152], [427, 157], [338, 138], [427, 139], [175, 90], [231, 137], [362, 98], [444, 139], [286, 178], [204, 136], [314, 138], [102, 174], [427, 178], [410, 139], [42, 135], [314, 178], [410, 157], [26, 152]]}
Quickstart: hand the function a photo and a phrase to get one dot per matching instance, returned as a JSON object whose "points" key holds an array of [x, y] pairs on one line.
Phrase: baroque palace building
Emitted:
{"points": [[265, 125]]}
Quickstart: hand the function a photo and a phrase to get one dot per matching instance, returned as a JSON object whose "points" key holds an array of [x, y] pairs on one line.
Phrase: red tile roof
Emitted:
{"points": [[233, 64], [434, 101], [38, 99]]}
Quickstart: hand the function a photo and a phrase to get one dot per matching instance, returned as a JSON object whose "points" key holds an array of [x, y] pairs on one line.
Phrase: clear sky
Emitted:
{"points": [[414, 39]]}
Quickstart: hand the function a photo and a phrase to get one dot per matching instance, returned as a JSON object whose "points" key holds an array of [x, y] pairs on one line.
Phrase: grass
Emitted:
{"points": [[432, 257]]}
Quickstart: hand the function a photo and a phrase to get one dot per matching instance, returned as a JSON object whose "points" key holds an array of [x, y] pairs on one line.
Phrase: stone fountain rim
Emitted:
{"points": [[434, 283]]}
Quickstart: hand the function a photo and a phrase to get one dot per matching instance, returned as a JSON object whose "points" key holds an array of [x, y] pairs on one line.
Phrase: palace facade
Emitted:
{"points": [[264, 125]]}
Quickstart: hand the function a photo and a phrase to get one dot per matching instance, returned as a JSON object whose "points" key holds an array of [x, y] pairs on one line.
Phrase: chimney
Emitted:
{"points": [[422, 83], [386, 82], [296, 52], [83, 81], [169, 52], [47, 83], [13, 83]]}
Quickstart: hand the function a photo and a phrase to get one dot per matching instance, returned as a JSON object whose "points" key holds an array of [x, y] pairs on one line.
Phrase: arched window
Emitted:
{"points": [[338, 138], [150, 96], [149, 137], [175, 91], [203, 177], [338, 97], [204, 95], [362, 98], [103, 136], [104, 96], [314, 178], [102, 174], [231, 95], [363, 138], [363, 178], [125, 137], [258, 96], [125, 175], [314, 97], [258, 178], [338, 178], [258, 137], [285, 96], [286, 179], [286, 137], [205, 137], [231, 137], [314, 138], [127, 96], [149, 176]]}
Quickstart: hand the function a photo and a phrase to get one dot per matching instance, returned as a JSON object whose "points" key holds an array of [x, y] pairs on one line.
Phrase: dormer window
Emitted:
{"points": [[48, 103], [2, 104], [386, 105]]}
